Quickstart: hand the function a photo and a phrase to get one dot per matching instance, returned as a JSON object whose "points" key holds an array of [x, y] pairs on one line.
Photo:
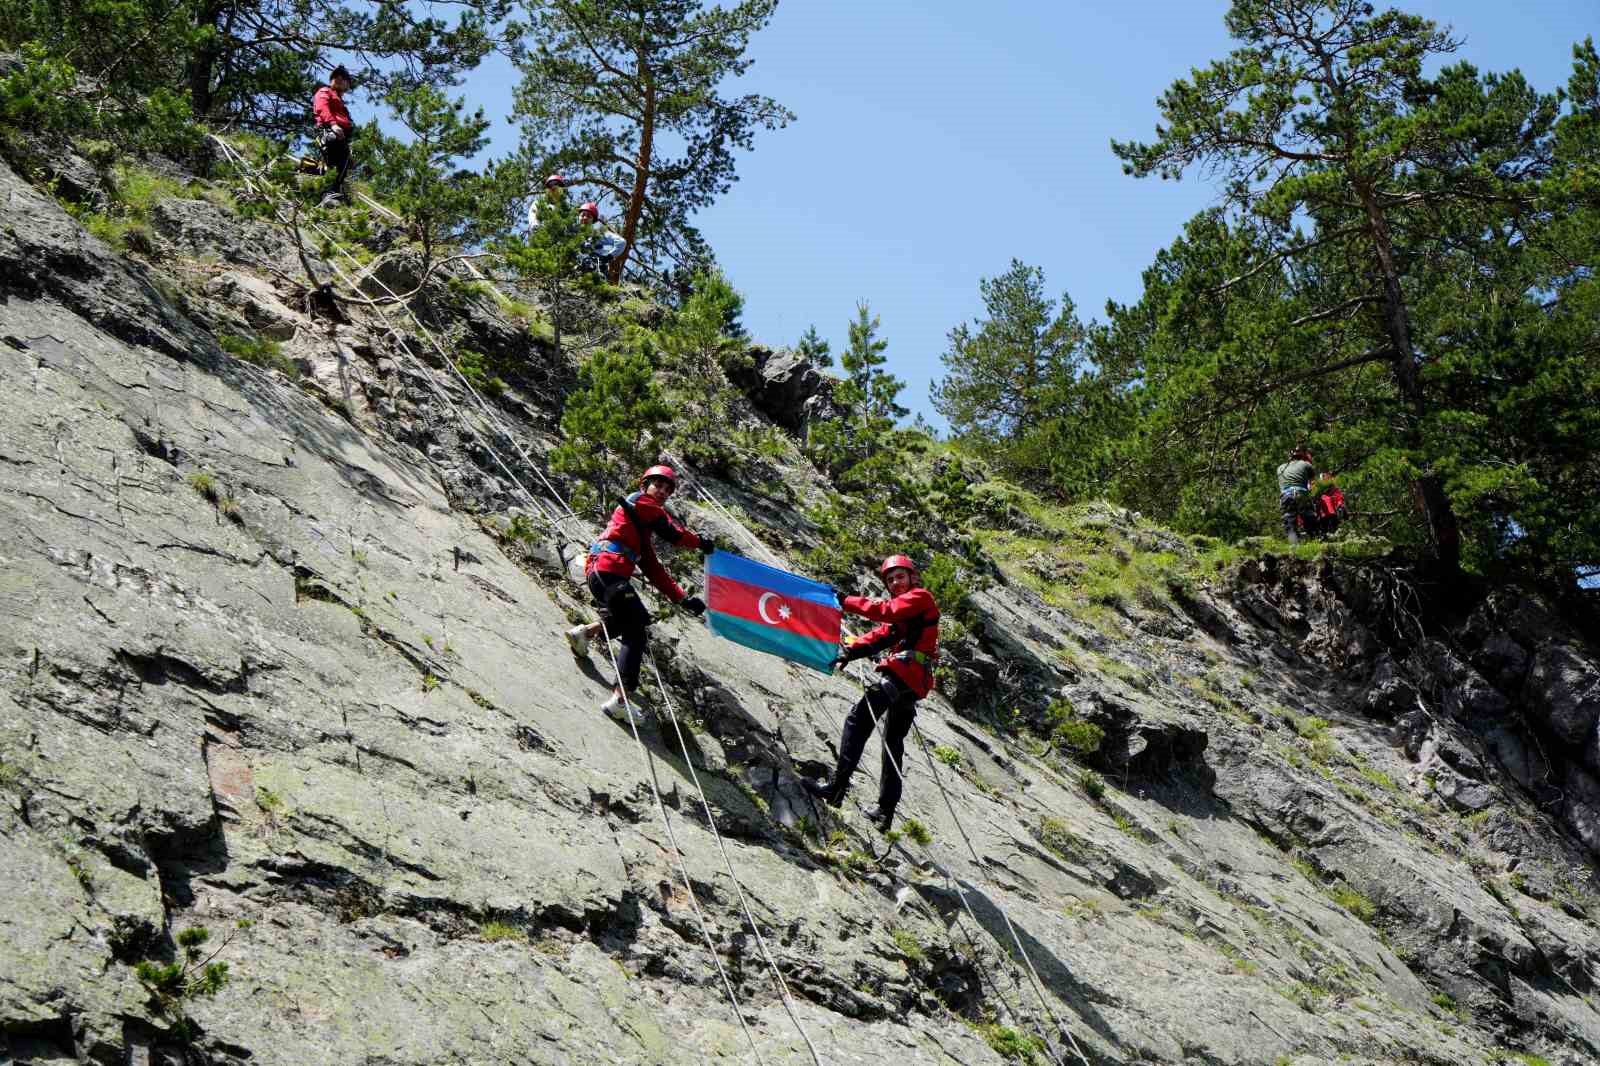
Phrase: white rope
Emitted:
{"points": [[705, 803], [672, 838], [894, 765], [565, 512]]}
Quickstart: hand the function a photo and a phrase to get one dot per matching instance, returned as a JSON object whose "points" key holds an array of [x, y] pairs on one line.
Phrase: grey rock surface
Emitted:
{"points": [[264, 659]]}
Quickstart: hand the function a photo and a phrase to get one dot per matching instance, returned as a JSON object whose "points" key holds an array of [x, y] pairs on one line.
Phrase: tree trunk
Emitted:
{"points": [[202, 65], [1428, 489], [641, 173]]}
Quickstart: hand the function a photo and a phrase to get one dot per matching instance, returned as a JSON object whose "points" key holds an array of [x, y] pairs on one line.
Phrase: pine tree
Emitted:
{"points": [[813, 349], [549, 260], [611, 422], [868, 394], [699, 344], [1325, 113], [248, 64], [422, 178], [1012, 374], [625, 94]]}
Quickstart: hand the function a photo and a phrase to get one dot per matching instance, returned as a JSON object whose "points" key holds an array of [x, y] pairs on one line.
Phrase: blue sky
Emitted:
{"points": [[938, 140]]}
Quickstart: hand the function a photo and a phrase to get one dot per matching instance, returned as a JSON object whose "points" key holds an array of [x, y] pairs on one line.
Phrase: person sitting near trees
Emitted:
{"points": [[1294, 490], [555, 191], [605, 247], [333, 130], [625, 546], [908, 634]]}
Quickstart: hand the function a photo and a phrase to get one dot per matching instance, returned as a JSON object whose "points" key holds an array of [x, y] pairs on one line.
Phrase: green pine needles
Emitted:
{"points": [[195, 974]]}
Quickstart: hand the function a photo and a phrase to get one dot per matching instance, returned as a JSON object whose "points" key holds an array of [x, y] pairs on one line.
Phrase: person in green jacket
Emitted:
{"points": [[1294, 489]]}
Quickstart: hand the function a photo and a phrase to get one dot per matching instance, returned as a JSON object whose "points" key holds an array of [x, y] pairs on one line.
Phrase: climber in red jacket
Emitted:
{"points": [[625, 546], [908, 632], [333, 129]]}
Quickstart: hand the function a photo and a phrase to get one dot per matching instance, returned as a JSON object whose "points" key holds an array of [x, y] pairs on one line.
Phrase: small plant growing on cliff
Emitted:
{"points": [[193, 975], [262, 351], [1008, 1043], [203, 483], [1354, 901], [917, 831], [1093, 785], [907, 942], [947, 755], [429, 682], [495, 931], [1067, 730]]}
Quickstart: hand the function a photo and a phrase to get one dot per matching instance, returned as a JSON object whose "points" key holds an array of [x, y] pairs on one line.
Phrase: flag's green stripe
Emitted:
{"points": [[804, 650]]}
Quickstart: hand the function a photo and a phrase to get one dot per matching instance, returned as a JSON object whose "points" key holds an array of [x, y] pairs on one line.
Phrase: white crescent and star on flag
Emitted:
{"points": [[783, 609]]}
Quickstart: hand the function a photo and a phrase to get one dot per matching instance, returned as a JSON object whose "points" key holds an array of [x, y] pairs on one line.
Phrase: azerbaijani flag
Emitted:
{"points": [[772, 610]]}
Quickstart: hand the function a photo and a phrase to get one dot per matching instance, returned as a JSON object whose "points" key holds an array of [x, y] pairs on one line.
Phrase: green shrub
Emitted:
{"points": [[1354, 901], [194, 975], [1054, 834], [947, 755], [40, 94], [494, 931], [1010, 1044], [262, 351], [1093, 785], [203, 483], [907, 942], [916, 831], [1067, 730], [474, 367]]}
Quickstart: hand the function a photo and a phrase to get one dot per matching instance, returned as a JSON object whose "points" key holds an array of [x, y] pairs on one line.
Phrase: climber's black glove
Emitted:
{"points": [[707, 545], [694, 605]]}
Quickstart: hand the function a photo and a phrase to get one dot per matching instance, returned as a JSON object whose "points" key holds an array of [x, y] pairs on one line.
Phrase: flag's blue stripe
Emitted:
{"points": [[738, 568], [817, 654]]}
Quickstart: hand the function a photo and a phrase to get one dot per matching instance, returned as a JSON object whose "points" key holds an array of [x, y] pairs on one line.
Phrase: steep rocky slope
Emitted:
{"points": [[267, 657]]}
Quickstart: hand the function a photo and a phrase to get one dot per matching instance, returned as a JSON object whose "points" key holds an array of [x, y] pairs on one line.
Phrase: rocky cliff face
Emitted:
{"points": [[265, 659]]}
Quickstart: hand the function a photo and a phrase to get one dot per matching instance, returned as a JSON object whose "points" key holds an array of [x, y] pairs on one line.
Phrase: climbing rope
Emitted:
{"points": [[672, 838], [949, 804], [744, 904], [562, 513]]}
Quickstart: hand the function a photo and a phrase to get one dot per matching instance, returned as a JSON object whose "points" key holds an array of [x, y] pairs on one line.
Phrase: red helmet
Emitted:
{"points": [[897, 562], [589, 210], [659, 471], [555, 181]]}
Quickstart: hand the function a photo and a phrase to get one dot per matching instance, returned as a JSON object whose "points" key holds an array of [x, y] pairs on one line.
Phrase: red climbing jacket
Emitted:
{"points": [[328, 108], [627, 544], [909, 630]]}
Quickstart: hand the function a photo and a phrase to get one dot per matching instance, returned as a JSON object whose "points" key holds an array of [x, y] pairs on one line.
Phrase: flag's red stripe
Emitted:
{"points": [[741, 600]]}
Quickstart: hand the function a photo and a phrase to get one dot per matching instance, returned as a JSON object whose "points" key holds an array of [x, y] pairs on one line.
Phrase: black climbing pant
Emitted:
{"points": [[897, 707], [625, 619], [336, 153]]}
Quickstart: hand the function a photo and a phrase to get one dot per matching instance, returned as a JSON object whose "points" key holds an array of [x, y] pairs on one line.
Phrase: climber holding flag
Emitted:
{"points": [[625, 546], [908, 632]]}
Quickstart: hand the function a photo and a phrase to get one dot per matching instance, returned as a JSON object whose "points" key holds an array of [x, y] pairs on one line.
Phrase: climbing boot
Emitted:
{"points": [[618, 710], [829, 792], [881, 818], [578, 641]]}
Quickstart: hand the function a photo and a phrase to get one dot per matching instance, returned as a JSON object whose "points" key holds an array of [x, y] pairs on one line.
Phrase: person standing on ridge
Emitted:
{"points": [[333, 128], [625, 546], [908, 631], [1294, 489]]}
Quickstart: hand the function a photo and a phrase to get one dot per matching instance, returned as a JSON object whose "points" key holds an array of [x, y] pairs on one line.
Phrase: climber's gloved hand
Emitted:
{"points": [[694, 605], [707, 545]]}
